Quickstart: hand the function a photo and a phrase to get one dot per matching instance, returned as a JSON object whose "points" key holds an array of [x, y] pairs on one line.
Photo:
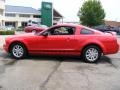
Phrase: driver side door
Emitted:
{"points": [[59, 40]]}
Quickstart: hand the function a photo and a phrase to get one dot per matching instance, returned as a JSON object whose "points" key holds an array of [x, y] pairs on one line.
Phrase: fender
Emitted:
{"points": [[94, 42], [18, 40]]}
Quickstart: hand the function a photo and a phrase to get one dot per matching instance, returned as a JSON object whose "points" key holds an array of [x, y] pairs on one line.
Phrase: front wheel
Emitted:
{"points": [[18, 51], [91, 54]]}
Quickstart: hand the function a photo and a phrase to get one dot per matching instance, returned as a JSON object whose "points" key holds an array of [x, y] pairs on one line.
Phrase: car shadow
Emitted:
{"points": [[11, 61], [55, 58], [103, 59]]}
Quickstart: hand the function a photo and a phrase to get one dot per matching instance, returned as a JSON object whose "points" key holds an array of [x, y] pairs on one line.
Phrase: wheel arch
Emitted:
{"points": [[14, 42], [92, 44]]}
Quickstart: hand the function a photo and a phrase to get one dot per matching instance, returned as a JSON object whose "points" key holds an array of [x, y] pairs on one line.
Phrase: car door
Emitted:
{"points": [[60, 39]]}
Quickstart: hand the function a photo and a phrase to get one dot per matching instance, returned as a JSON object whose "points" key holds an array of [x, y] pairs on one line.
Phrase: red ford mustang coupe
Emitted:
{"points": [[64, 39]]}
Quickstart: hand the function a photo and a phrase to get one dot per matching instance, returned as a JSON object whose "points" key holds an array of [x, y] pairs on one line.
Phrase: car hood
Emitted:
{"points": [[20, 36]]}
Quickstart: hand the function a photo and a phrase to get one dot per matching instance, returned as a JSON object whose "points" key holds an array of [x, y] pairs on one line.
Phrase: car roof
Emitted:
{"points": [[72, 25], [75, 25]]}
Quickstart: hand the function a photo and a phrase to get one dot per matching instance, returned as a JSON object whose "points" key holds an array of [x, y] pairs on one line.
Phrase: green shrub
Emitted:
{"points": [[2, 33], [7, 32]]}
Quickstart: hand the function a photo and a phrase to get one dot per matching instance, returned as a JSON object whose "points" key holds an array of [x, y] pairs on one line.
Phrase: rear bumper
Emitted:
{"points": [[114, 49]]}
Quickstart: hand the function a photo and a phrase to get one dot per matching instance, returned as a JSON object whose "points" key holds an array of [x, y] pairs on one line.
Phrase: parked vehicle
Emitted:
{"points": [[105, 28], [7, 28], [102, 28], [116, 29], [35, 28], [30, 23], [63, 39], [10, 28]]}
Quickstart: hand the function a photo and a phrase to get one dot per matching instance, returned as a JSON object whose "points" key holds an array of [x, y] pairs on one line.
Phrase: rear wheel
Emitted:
{"points": [[91, 54], [18, 50]]}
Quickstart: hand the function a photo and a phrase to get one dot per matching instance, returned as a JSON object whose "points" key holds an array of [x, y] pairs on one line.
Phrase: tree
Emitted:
{"points": [[91, 13]]}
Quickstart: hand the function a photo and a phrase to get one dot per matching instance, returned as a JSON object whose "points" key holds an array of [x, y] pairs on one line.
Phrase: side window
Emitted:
{"points": [[86, 31], [63, 30]]}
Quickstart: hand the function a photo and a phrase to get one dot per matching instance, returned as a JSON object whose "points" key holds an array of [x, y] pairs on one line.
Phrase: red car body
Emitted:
{"points": [[33, 28], [65, 44]]}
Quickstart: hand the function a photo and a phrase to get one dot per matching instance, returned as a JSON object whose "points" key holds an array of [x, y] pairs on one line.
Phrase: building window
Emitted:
{"points": [[9, 15], [24, 15], [10, 24], [36, 16], [23, 24]]}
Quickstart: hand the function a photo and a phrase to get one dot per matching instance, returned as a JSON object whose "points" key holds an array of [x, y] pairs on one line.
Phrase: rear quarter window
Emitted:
{"points": [[86, 31]]}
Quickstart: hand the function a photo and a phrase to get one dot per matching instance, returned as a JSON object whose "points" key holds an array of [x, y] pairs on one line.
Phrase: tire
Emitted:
{"points": [[18, 51], [91, 54]]}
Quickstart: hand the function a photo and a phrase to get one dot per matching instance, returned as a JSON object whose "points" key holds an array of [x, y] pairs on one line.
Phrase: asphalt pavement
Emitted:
{"points": [[58, 73]]}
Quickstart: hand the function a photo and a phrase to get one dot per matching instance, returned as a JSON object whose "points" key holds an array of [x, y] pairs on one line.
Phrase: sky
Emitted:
{"points": [[69, 8]]}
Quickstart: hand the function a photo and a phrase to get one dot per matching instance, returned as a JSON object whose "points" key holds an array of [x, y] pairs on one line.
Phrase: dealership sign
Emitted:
{"points": [[47, 14]]}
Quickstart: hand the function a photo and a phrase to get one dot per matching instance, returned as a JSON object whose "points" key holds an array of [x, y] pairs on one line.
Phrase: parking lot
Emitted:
{"points": [[58, 73]]}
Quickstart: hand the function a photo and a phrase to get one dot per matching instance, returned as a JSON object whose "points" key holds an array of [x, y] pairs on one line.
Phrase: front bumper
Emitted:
{"points": [[5, 47]]}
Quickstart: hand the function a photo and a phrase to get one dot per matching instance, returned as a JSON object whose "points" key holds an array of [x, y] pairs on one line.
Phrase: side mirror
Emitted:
{"points": [[45, 34]]}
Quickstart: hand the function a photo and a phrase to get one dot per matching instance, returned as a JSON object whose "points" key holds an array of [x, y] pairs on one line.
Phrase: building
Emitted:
{"points": [[112, 23], [19, 16], [2, 11]]}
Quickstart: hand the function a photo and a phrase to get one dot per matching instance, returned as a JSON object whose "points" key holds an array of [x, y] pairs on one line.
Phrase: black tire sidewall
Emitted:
{"points": [[84, 54]]}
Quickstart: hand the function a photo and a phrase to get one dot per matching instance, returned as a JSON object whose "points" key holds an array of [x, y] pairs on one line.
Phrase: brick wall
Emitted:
{"points": [[112, 23]]}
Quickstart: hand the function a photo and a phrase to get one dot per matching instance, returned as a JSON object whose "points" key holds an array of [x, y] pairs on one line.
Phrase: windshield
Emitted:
{"points": [[46, 29], [40, 33]]}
